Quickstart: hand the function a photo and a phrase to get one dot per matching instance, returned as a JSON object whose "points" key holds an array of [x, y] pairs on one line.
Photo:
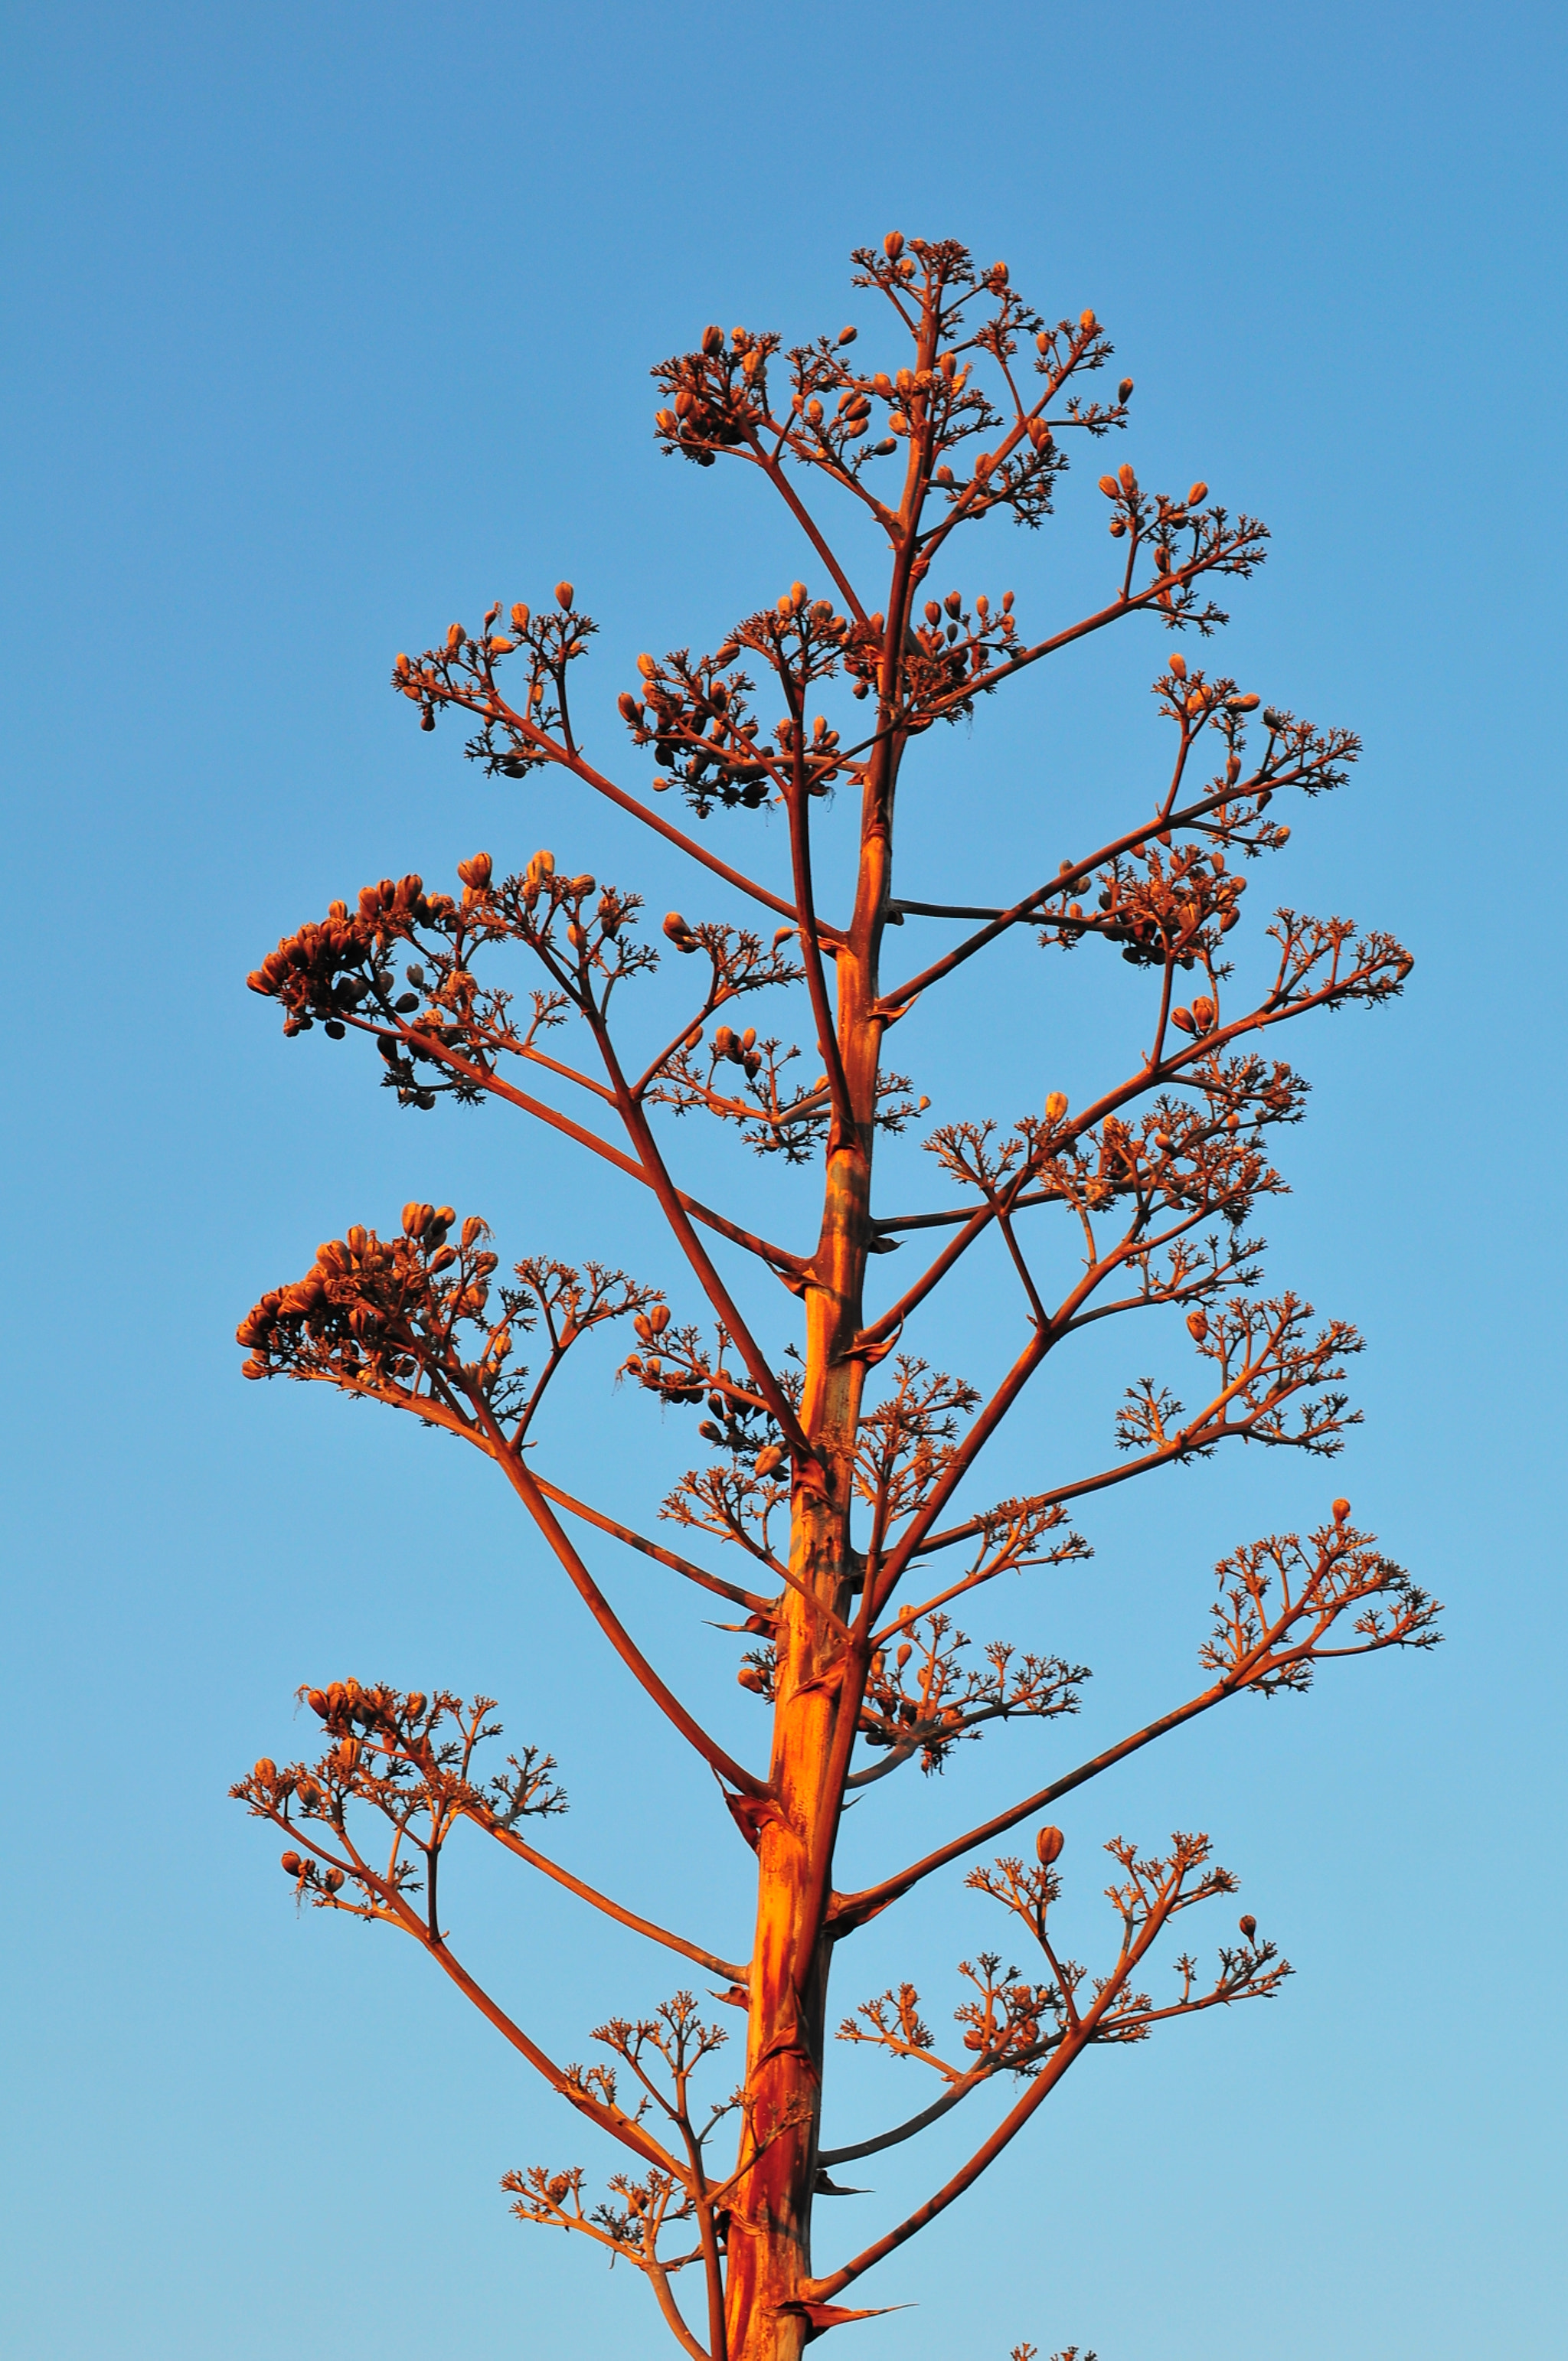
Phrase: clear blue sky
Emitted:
{"points": [[326, 325]]}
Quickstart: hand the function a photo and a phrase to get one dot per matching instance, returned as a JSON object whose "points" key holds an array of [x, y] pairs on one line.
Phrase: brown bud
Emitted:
{"points": [[1199, 492], [1248, 1926], [770, 1459], [713, 340], [414, 1704], [562, 596], [319, 1702], [1198, 1324], [292, 1863], [1341, 1511], [265, 1771], [1049, 1845], [1055, 1106], [1177, 666], [893, 245], [332, 1879], [1124, 390]]}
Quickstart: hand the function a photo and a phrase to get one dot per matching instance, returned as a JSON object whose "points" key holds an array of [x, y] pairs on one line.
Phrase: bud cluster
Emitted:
{"points": [[920, 1700], [533, 727]]}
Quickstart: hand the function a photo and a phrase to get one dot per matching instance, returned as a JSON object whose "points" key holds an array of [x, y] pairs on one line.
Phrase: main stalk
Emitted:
{"points": [[822, 1652]]}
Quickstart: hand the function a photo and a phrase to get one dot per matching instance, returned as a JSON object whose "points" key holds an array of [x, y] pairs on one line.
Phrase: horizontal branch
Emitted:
{"points": [[482, 1079], [749, 1599], [852, 1910], [938, 2107], [526, 1485], [615, 1910]]}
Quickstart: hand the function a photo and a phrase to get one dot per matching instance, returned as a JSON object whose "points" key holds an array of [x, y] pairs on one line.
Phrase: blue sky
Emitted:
{"points": [[329, 326]]}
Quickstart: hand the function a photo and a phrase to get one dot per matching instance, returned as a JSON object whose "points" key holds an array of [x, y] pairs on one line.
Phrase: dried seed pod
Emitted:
{"points": [[292, 1863], [1198, 1324]]}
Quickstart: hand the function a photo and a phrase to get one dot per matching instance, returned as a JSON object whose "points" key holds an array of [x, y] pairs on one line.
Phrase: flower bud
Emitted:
{"points": [[519, 617], [713, 340], [1110, 486], [1341, 1511], [1198, 1324], [1199, 492], [265, 1771], [893, 245], [1248, 1926], [1055, 1106], [1177, 666], [332, 1879], [770, 1459], [292, 1863], [1124, 390], [1049, 1845]]}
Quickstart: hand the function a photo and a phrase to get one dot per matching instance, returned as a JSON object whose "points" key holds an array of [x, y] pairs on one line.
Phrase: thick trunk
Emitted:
{"points": [[818, 1683]]}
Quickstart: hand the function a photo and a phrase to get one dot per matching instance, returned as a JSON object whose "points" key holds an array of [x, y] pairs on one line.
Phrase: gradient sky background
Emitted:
{"points": [[330, 325]]}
